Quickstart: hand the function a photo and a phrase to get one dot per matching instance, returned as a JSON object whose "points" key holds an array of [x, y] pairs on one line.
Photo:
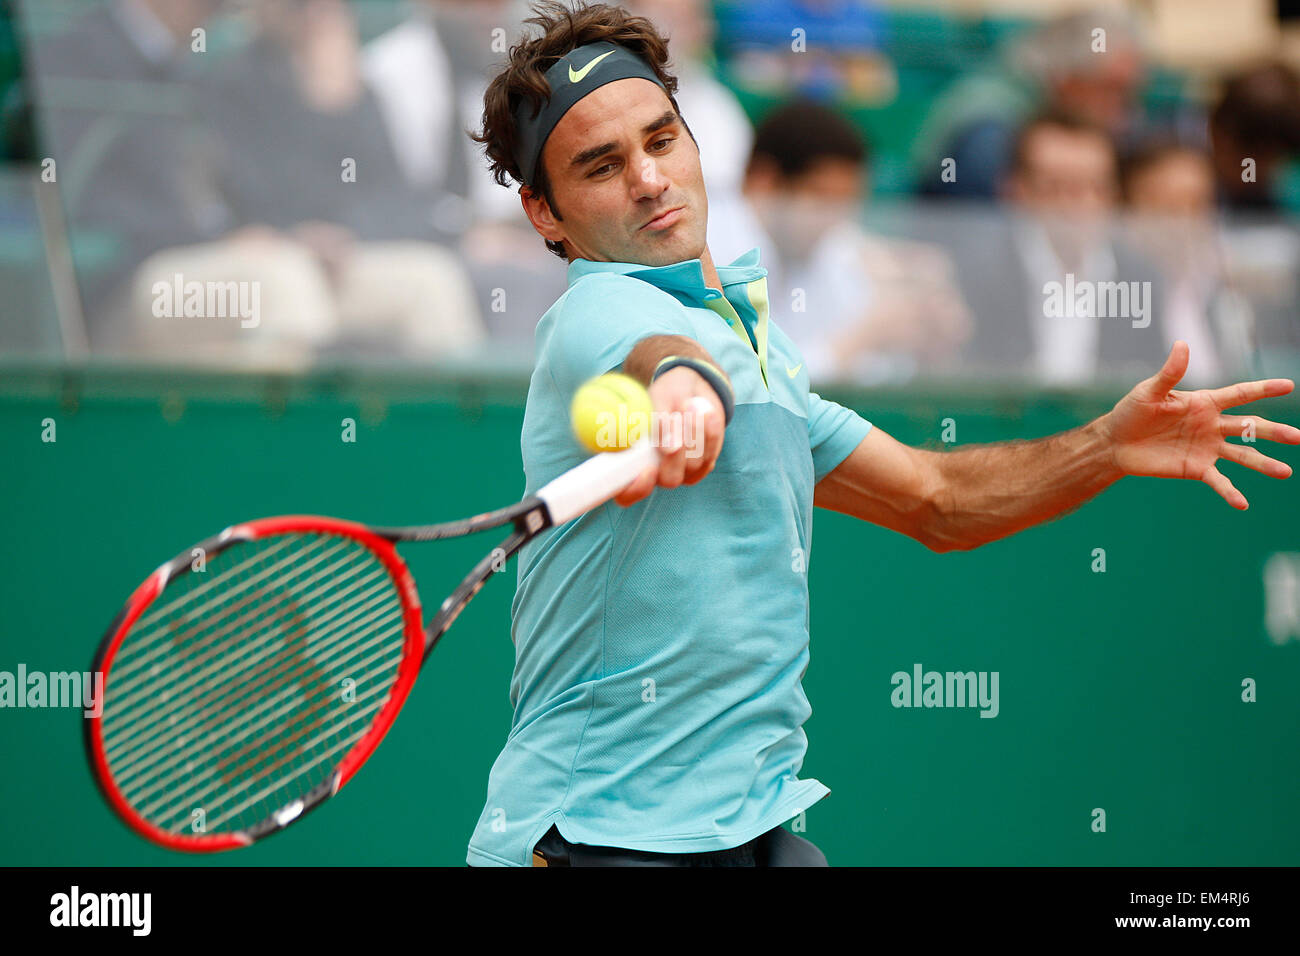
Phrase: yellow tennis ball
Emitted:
{"points": [[611, 412]]}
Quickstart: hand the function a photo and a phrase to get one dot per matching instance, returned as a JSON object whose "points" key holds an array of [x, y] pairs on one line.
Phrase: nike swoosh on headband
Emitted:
{"points": [[577, 76]]}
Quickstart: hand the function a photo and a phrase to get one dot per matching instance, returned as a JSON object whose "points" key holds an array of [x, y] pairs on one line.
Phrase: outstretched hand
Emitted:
{"points": [[690, 432], [1157, 431]]}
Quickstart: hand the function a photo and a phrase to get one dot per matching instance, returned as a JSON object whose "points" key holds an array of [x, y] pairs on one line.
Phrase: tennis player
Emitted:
{"points": [[660, 646]]}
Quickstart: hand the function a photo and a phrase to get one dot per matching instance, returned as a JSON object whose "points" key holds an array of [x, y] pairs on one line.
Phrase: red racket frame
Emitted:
{"points": [[413, 652]]}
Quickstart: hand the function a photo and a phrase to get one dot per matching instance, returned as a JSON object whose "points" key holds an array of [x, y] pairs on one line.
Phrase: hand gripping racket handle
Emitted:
{"points": [[595, 481]]}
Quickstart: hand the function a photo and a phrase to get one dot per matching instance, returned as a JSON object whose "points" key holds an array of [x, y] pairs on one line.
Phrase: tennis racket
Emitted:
{"points": [[248, 679]]}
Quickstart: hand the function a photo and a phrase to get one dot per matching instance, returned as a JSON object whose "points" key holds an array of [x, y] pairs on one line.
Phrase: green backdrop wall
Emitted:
{"points": [[1118, 690]]}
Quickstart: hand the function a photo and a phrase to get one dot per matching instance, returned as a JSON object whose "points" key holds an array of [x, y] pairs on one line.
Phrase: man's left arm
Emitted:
{"points": [[961, 499]]}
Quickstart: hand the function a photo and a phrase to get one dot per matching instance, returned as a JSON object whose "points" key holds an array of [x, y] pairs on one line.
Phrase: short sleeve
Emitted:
{"points": [[833, 432], [602, 318]]}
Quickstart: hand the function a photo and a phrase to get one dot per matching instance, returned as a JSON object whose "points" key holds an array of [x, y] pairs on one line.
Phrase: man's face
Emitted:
{"points": [[626, 177], [1068, 185], [1106, 91], [1066, 173], [1180, 184], [1172, 201]]}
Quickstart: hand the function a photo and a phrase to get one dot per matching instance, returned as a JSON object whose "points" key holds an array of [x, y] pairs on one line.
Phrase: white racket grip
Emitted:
{"points": [[595, 481]]}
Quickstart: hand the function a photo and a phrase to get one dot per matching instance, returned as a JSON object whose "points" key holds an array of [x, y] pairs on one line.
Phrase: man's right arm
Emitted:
{"points": [[685, 392]]}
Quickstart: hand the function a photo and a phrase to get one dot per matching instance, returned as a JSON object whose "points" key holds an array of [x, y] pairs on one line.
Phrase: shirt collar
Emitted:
{"points": [[683, 277]]}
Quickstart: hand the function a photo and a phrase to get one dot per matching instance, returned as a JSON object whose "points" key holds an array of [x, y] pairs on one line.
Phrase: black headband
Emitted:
{"points": [[571, 78]]}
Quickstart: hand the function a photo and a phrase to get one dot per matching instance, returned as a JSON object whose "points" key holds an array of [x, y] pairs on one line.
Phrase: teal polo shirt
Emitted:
{"points": [[660, 649]]}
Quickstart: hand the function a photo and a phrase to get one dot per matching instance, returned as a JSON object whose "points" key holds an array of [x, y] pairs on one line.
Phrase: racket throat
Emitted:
{"points": [[533, 519]]}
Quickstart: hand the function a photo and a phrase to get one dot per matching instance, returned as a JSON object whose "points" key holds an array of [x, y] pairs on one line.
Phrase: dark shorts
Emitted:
{"points": [[776, 847]]}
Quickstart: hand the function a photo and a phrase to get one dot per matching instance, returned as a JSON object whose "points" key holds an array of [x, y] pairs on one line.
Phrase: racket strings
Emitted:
{"points": [[148, 753], [162, 612], [212, 768], [137, 759], [180, 809], [299, 772], [233, 701], [164, 690], [152, 644], [264, 670], [290, 738]]}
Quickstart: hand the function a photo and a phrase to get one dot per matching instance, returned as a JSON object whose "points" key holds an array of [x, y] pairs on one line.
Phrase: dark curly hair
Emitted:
{"points": [[562, 30]]}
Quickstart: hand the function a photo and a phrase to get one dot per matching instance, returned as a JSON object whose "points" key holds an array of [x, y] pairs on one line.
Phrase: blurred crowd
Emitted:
{"points": [[302, 167]]}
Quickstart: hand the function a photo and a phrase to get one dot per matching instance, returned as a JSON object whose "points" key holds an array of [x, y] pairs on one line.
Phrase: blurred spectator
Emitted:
{"points": [[1052, 68], [1255, 131], [325, 218], [290, 109], [857, 306], [1055, 296], [227, 185], [430, 73], [116, 107], [1170, 192]]}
